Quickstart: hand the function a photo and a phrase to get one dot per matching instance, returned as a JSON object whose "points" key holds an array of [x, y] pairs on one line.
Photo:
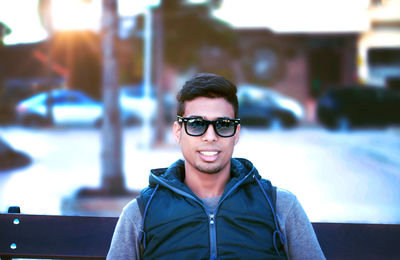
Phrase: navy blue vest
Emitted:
{"points": [[176, 224]]}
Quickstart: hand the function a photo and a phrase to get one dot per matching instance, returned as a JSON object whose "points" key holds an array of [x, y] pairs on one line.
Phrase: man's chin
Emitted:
{"points": [[209, 169]]}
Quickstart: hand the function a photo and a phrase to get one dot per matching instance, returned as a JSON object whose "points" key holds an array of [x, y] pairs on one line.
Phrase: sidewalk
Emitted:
{"points": [[355, 175]]}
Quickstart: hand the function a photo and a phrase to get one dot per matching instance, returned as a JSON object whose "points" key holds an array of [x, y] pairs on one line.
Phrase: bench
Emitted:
{"points": [[78, 237]]}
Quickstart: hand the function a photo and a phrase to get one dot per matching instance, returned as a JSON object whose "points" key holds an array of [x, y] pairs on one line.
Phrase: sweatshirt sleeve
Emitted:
{"points": [[124, 243], [301, 241]]}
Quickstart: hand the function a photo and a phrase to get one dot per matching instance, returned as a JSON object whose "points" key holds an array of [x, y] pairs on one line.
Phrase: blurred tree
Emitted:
{"points": [[190, 31], [80, 53]]}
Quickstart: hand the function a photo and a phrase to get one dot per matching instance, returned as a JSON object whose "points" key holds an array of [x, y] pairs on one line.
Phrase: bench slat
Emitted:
{"points": [[37, 236]]}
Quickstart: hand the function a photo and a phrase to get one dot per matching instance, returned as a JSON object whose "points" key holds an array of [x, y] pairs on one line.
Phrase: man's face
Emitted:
{"points": [[208, 153]]}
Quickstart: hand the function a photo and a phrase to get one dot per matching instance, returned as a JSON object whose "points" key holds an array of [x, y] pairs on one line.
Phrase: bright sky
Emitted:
{"points": [[280, 16], [67, 15], [76, 15], [24, 22], [297, 15]]}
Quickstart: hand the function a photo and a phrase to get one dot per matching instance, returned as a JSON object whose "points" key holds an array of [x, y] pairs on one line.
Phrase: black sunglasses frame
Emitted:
{"points": [[184, 120]]}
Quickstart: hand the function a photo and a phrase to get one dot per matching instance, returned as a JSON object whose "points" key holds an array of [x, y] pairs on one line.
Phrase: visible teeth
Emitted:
{"points": [[208, 153]]}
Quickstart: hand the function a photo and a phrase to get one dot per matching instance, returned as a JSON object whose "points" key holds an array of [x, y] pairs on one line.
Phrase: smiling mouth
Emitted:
{"points": [[209, 156], [209, 153]]}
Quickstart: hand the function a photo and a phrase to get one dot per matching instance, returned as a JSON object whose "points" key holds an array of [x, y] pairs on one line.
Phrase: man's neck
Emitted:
{"points": [[206, 185]]}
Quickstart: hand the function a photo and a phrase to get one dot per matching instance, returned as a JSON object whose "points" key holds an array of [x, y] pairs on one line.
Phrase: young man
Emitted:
{"points": [[210, 205]]}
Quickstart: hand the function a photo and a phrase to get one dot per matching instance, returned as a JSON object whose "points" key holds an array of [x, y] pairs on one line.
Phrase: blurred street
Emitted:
{"points": [[338, 177]]}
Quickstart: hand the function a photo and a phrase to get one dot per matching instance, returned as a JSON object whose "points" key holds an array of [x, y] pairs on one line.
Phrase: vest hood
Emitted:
{"points": [[175, 174]]}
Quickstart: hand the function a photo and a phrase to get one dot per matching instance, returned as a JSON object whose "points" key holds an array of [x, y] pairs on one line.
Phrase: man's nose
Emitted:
{"points": [[210, 135]]}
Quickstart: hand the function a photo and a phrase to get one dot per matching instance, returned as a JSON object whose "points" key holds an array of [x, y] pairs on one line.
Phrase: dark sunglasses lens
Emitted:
{"points": [[225, 127], [196, 126]]}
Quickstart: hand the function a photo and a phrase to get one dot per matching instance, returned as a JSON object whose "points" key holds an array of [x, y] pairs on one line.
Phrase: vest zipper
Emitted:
{"points": [[213, 236]]}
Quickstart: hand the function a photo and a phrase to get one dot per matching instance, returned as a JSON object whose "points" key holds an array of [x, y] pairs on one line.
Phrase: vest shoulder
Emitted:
{"points": [[143, 198]]}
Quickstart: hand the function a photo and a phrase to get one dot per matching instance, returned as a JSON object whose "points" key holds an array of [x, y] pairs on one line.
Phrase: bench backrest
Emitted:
{"points": [[42, 236], [359, 241]]}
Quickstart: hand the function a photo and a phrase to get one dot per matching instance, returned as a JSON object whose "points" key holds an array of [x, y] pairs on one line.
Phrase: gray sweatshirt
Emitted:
{"points": [[301, 241]]}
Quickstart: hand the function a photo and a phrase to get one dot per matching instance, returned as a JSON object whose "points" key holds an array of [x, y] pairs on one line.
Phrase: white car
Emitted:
{"points": [[69, 107]]}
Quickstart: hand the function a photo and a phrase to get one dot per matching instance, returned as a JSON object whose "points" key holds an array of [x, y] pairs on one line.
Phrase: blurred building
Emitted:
{"points": [[303, 48], [379, 47]]}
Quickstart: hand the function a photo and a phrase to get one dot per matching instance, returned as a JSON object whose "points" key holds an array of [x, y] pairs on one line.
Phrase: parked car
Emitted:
{"points": [[69, 107], [262, 106], [346, 107]]}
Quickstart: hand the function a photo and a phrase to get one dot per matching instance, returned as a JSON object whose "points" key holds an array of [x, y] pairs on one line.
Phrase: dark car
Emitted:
{"points": [[260, 106], [355, 106]]}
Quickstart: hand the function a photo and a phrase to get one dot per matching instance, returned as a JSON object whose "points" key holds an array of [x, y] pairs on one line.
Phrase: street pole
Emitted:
{"points": [[112, 179], [147, 62]]}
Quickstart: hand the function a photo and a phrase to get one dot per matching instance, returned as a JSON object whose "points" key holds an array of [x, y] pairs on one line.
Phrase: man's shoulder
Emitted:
{"points": [[285, 195], [286, 203], [132, 212]]}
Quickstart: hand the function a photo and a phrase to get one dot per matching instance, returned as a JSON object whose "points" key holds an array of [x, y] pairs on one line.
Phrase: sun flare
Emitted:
{"points": [[76, 14]]}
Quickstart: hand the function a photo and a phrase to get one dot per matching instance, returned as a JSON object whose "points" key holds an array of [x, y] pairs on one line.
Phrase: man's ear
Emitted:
{"points": [[176, 131]]}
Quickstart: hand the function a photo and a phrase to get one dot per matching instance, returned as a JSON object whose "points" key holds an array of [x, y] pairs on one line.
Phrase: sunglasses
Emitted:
{"points": [[197, 126]]}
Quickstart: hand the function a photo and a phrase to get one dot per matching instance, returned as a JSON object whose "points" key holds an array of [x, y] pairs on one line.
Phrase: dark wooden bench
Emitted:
{"points": [[77, 237]]}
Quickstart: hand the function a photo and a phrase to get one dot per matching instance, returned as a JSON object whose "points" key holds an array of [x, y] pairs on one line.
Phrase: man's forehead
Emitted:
{"points": [[209, 108]]}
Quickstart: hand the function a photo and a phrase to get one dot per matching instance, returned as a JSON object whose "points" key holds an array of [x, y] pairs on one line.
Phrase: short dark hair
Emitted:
{"points": [[207, 85]]}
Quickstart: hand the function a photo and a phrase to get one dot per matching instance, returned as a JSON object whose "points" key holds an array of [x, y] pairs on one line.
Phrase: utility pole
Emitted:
{"points": [[112, 177]]}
